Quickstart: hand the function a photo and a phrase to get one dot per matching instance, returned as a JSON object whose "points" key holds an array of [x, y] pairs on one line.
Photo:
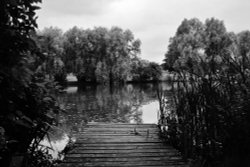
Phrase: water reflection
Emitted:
{"points": [[149, 114], [71, 89], [124, 104], [57, 145]]}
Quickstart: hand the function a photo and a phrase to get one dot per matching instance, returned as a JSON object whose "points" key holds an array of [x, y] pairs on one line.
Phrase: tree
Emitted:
{"points": [[145, 71], [26, 103], [87, 52], [72, 48], [244, 50], [185, 45], [212, 95], [50, 42], [217, 42], [155, 71]]}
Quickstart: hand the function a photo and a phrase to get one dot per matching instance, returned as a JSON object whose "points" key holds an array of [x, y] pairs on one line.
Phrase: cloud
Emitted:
{"points": [[76, 7], [153, 21]]}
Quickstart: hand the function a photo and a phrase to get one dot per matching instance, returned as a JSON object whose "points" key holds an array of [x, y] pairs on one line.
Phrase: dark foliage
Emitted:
{"points": [[212, 95], [27, 106]]}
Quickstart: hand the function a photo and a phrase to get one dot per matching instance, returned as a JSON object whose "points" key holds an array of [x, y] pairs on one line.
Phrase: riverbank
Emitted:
{"points": [[165, 77]]}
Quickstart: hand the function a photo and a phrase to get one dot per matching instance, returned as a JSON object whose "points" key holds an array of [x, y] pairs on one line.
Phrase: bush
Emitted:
{"points": [[212, 95], [27, 106]]}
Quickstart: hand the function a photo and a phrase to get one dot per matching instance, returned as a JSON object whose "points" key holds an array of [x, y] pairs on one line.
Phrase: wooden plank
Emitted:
{"points": [[82, 165], [120, 137], [139, 163], [120, 145], [114, 133], [118, 124], [126, 164], [95, 130], [119, 128], [123, 147], [138, 140], [121, 159], [78, 144], [122, 125], [124, 151], [131, 154]]}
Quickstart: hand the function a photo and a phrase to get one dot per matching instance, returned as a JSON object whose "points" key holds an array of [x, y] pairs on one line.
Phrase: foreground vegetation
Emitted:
{"points": [[211, 122], [27, 107]]}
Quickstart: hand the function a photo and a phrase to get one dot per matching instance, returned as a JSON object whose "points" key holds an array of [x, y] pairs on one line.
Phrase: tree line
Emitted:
{"points": [[97, 55], [211, 120]]}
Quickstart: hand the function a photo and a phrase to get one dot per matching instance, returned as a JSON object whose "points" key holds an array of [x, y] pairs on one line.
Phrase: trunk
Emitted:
{"points": [[110, 78]]}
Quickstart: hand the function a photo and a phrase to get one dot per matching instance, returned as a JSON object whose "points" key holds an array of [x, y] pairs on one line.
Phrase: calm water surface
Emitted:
{"points": [[132, 103]]}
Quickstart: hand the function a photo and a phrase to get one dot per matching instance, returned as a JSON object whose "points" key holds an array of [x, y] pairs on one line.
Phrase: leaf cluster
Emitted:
{"points": [[27, 105]]}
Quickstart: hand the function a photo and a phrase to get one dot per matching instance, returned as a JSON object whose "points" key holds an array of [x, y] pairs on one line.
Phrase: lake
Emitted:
{"points": [[131, 103]]}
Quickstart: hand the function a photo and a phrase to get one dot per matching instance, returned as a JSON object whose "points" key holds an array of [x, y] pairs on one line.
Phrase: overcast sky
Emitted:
{"points": [[152, 21]]}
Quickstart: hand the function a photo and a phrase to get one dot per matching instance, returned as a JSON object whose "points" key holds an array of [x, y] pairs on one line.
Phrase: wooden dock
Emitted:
{"points": [[118, 145]]}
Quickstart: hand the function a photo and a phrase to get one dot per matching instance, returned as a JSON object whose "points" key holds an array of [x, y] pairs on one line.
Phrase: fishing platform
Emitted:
{"points": [[122, 145]]}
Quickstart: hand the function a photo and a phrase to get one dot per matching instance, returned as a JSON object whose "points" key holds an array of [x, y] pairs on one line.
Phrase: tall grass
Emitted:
{"points": [[212, 123]]}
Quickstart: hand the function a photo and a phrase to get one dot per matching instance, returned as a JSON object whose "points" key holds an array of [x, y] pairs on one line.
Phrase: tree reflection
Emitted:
{"points": [[101, 104]]}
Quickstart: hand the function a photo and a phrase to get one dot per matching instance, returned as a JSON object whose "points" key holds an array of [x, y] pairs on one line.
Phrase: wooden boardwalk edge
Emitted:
{"points": [[122, 144]]}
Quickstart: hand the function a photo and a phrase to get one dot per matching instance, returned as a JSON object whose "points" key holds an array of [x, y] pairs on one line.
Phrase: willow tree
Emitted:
{"points": [[186, 45], [100, 55]]}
